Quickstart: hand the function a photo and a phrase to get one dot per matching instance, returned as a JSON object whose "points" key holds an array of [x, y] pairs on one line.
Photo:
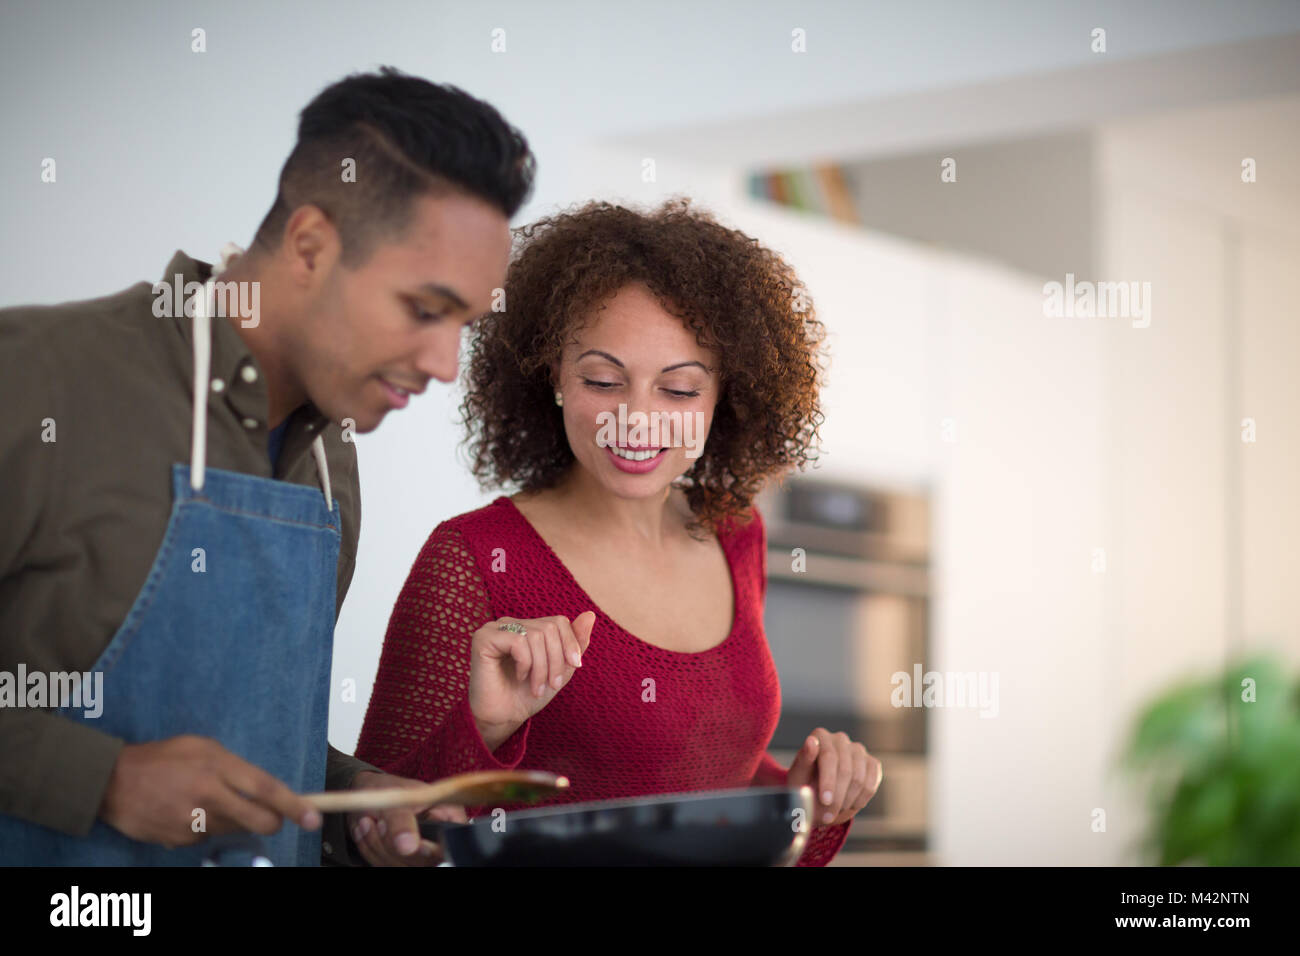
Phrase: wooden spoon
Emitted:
{"points": [[470, 789]]}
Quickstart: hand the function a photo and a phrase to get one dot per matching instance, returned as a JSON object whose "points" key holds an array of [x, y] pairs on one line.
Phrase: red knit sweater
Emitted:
{"points": [[707, 727]]}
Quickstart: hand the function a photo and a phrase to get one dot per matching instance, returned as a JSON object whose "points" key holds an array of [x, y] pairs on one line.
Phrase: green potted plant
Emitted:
{"points": [[1221, 760]]}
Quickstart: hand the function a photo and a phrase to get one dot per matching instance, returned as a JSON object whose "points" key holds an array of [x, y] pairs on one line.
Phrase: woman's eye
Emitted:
{"points": [[676, 393]]}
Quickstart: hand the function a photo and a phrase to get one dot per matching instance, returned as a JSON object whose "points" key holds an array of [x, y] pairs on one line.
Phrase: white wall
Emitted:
{"points": [[1203, 525], [1270, 468]]}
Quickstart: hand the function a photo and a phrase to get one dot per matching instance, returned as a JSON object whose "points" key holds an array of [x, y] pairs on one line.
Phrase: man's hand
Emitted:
{"points": [[513, 676], [156, 787], [842, 774], [392, 837]]}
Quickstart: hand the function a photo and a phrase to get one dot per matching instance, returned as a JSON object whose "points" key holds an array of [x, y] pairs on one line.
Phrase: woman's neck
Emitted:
{"points": [[643, 522]]}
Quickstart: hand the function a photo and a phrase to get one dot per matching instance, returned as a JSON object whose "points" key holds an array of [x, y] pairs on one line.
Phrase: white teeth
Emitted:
{"points": [[634, 455]]}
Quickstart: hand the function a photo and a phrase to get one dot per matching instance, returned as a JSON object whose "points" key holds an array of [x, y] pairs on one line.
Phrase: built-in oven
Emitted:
{"points": [[848, 609]]}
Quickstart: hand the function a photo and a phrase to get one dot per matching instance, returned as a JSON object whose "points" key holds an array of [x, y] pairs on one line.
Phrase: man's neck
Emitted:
{"points": [[283, 393]]}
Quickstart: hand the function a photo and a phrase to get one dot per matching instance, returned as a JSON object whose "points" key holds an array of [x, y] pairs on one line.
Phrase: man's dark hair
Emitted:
{"points": [[409, 138]]}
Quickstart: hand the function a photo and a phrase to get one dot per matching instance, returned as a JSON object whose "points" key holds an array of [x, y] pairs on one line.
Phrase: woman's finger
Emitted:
{"points": [[875, 776], [572, 647], [828, 762], [538, 675], [582, 628], [804, 769], [858, 794], [859, 787], [844, 771], [557, 670], [522, 653]]}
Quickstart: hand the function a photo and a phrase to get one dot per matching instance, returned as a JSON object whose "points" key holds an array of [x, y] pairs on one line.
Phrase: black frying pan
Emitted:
{"points": [[757, 826]]}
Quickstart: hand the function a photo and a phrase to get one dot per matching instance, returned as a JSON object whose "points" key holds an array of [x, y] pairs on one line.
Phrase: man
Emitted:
{"points": [[182, 502]]}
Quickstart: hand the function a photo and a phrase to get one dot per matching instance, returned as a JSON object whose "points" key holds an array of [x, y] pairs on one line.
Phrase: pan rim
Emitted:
{"points": [[647, 800]]}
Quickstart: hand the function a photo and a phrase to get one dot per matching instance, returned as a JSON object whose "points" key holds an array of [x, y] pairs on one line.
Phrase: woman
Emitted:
{"points": [[632, 563]]}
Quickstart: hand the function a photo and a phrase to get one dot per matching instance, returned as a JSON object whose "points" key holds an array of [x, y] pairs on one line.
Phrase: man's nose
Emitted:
{"points": [[439, 355]]}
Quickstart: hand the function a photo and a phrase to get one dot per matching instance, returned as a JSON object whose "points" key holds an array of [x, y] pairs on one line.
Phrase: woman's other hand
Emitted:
{"points": [[842, 774]]}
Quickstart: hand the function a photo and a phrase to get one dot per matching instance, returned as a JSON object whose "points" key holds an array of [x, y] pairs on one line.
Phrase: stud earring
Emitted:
{"points": [[559, 398]]}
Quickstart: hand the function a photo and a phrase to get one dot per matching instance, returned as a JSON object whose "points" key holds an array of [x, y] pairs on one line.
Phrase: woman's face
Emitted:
{"points": [[636, 354]]}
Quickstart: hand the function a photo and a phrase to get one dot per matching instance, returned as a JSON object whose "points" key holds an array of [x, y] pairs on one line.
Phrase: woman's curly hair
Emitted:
{"points": [[743, 301]]}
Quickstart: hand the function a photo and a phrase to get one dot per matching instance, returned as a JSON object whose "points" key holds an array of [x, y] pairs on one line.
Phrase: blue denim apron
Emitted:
{"points": [[239, 651]]}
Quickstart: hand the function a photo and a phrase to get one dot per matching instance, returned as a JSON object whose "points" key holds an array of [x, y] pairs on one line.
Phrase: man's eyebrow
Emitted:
{"points": [[606, 355], [434, 288]]}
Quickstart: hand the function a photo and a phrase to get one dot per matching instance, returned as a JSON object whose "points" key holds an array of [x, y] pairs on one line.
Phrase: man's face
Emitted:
{"points": [[377, 334]]}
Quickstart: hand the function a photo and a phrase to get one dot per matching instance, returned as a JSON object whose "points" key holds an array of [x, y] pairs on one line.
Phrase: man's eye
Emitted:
{"points": [[424, 316]]}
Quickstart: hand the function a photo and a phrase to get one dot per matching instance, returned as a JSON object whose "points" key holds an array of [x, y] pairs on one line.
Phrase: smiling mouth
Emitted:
{"points": [[632, 454], [398, 397], [403, 392]]}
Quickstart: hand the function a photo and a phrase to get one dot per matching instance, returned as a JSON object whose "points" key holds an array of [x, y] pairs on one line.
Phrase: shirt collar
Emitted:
{"points": [[236, 380]]}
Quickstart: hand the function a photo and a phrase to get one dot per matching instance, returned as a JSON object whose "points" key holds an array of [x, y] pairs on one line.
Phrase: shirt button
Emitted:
{"points": [[248, 374], [250, 422], [218, 385]]}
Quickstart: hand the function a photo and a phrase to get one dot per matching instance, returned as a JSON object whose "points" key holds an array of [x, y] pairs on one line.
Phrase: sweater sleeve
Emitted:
{"points": [[824, 842], [419, 723]]}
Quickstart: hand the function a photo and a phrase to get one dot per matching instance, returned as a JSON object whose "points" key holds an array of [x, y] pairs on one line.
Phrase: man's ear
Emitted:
{"points": [[313, 247]]}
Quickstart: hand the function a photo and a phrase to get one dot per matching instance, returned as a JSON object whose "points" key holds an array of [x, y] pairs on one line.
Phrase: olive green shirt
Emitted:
{"points": [[95, 407]]}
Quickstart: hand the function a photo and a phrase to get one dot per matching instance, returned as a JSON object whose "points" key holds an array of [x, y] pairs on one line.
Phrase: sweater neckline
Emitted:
{"points": [[513, 509]]}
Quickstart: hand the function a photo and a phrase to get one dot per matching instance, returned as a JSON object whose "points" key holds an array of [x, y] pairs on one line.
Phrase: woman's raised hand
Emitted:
{"points": [[514, 675]]}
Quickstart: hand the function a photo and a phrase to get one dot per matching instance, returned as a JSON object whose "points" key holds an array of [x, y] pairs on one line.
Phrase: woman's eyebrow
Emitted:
{"points": [[611, 358], [605, 355], [684, 364]]}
